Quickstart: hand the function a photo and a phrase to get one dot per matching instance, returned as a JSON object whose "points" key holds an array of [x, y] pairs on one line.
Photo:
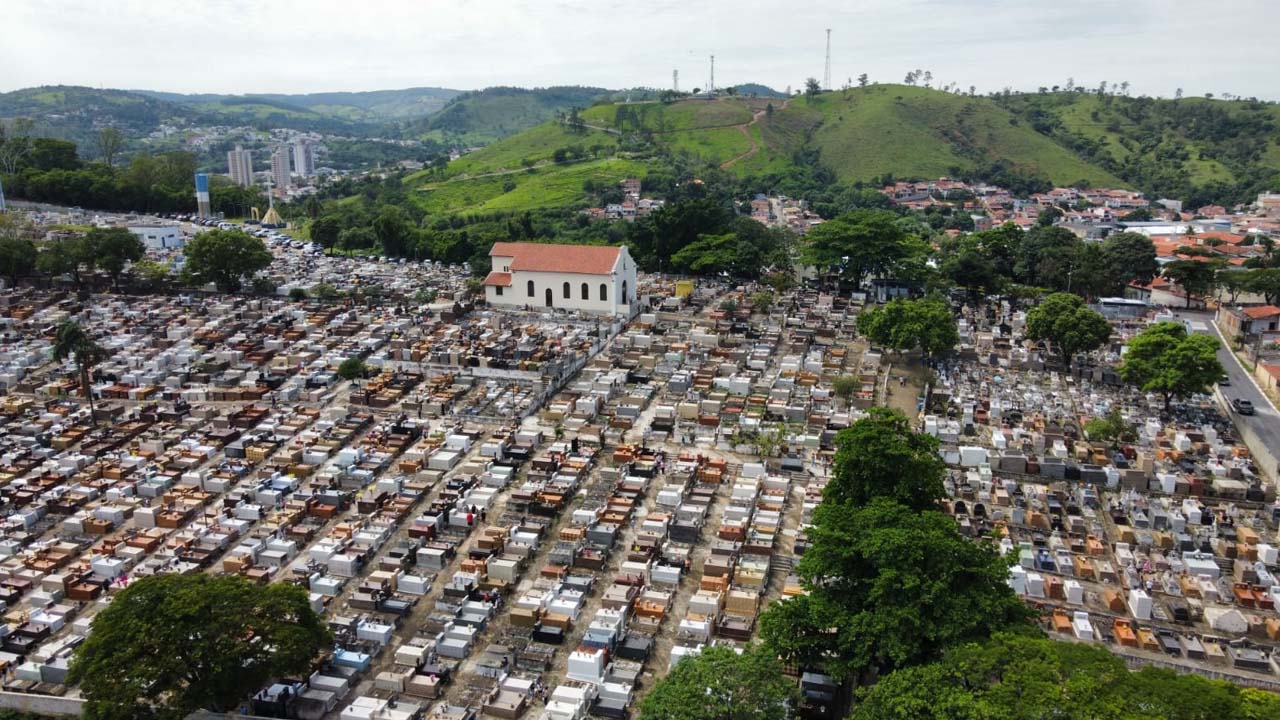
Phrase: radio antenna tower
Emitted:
{"points": [[711, 82], [675, 80], [826, 75]]}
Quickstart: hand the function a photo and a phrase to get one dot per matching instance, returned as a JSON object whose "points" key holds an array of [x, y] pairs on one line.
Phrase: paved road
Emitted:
{"points": [[1266, 420]]}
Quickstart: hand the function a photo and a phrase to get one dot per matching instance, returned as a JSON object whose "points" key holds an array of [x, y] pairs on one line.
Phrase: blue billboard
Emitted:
{"points": [[202, 182]]}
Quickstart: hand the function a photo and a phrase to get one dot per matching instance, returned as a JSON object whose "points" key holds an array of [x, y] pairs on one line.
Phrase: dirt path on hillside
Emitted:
{"points": [[745, 129]]}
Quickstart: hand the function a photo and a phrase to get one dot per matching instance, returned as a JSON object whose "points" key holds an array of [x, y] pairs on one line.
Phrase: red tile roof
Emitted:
{"points": [[498, 279], [543, 257], [1261, 311]]}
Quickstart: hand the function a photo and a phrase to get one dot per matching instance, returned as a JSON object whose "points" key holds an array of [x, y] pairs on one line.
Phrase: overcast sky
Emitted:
{"points": [[252, 46]]}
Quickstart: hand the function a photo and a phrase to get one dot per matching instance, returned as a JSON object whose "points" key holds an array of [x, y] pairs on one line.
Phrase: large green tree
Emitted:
{"points": [[225, 258], [1196, 278], [718, 683], [1063, 320], [1128, 257], [1047, 257], [748, 250], [325, 230], [68, 256], [72, 341], [17, 252], [925, 325], [861, 244], [881, 456], [169, 645], [1264, 281], [1166, 359], [113, 249], [394, 231], [889, 587], [1022, 676]]}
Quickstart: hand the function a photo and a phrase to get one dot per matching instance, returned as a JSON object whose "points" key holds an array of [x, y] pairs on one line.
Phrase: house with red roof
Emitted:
{"points": [[590, 278], [1250, 321]]}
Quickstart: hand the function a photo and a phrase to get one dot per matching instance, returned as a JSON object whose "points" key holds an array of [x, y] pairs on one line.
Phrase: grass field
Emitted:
{"points": [[547, 187], [917, 132], [536, 145]]}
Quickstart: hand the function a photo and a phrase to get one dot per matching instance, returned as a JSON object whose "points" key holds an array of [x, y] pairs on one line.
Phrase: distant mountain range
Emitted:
{"points": [[471, 118]]}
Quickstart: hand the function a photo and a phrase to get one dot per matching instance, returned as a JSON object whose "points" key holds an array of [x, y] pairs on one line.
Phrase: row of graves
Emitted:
{"points": [[1161, 545]]}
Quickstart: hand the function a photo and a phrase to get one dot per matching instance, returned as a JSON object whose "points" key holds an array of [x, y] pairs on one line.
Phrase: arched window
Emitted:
{"points": [[625, 297], [586, 294], [530, 288], [604, 292], [566, 291]]}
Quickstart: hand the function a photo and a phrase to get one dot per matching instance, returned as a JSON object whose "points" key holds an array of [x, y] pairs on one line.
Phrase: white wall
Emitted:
{"points": [[517, 295]]}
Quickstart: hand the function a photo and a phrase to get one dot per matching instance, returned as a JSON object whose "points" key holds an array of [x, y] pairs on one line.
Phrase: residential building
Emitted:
{"points": [[304, 158], [281, 177], [1250, 322], [569, 277], [240, 167]]}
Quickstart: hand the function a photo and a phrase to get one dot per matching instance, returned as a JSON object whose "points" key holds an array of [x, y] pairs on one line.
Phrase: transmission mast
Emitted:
{"points": [[675, 80], [711, 82], [826, 75]]}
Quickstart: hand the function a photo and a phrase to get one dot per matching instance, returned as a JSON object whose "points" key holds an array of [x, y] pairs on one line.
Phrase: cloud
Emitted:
{"points": [[315, 45]]}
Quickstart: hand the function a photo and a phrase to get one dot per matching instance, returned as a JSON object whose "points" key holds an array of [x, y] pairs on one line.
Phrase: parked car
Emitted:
{"points": [[1242, 406]]}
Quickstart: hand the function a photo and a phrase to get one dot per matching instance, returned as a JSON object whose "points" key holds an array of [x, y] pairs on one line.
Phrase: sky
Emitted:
{"points": [[298, 46]]}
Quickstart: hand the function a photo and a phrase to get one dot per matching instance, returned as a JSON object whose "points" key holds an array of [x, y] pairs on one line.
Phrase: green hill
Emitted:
{"points": [[371, 106], [918, 132], [486, 116], [1196, 149]]}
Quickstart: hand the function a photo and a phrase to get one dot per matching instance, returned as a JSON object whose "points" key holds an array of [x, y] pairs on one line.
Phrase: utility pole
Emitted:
{"points": [[826, 75]]}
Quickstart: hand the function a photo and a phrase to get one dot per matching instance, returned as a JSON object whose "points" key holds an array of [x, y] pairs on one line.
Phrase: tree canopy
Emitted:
{"points": [[888, 587], [1165, 359], [1072, 328], [1016, 676], [881, 456], [925, 325], [111, 249], [861, 244], [719, 683], [1193, 276], [1128, 257], [225, 258], [169, 645]]}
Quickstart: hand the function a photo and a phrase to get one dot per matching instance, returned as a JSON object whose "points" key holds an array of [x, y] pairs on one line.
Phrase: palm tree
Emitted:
{"points": [[73, 342]]}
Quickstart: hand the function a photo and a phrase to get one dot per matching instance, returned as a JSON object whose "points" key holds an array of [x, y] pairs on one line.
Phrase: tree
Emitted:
{"points": [[762, 301], [1063, 320], [71, 341], [719, 683], [1165, 359], [353, 369], [1047, 256], [325, 231], [811, 89], [109, 141], [357, 238], [1030, 676], [861, 243], [973, 271], [67, 256], [881, 456], [862, 80], [1264, 281], [393, 231], [1194, 277], [904, 325], [1112, 428], [234, 636], [17, 252], [15, 143], [889, 587], [112, 249], [1128, 257], [845, 387], [153, 276], [225, 258]]}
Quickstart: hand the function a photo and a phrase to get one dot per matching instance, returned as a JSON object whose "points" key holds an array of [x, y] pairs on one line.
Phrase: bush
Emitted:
{"points": [[297, 294], [353, 369]]}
